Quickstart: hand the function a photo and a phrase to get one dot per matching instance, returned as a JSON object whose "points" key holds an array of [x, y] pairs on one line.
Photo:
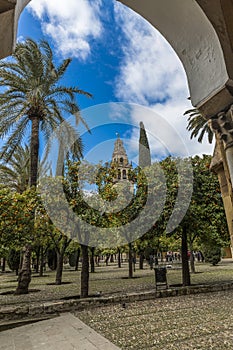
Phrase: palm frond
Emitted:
{"points": [[198, 125], [31, 87]]}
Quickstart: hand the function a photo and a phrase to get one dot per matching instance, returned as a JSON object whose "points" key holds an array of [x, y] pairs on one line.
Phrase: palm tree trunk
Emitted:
{"points": [[60, 160], [24, 277], [34, 150], [84, 272]]}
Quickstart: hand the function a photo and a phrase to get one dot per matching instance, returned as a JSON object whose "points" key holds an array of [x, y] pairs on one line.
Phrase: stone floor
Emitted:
{"points": [[65, 332]]}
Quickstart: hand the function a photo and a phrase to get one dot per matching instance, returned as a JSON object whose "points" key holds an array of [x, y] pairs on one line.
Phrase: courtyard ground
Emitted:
{"points": [[201, 321], [109, 280]]}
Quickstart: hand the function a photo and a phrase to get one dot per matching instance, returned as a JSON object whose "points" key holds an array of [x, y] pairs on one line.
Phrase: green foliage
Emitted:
{"points": [[17, 217], [205, 218], [15, 173], [73, 258], [198, 125], [13, 259], [212, 254], [52, 259], [144, 148]]}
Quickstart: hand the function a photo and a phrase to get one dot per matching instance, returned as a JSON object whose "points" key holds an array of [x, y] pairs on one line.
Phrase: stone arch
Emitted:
{"points": [[9, 15], [201, 33]]}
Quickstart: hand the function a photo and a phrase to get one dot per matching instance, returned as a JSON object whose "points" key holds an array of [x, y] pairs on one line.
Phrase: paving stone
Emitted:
{"points": [[65, 332]]}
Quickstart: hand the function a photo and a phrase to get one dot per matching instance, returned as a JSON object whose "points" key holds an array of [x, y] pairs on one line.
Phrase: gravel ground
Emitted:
{"points": [[110, 280], [202, 322], [199, 322]]}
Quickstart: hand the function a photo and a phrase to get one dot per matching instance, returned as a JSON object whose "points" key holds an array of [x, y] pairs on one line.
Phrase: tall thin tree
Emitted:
{"points": [[144, 148]]}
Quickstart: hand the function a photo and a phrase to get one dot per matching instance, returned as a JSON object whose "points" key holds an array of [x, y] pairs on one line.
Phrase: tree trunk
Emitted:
{"points": [[24, 277], [34, 150], [185, 263], [141, 260], [3, 264], [37, 259], [119, 257], [192, 262], [107, 259], [134, 261], [60, 160], [84, 272], [41, 262], [60, 256], [92, 260], [60, 252], [77, 259], [130, 261]]}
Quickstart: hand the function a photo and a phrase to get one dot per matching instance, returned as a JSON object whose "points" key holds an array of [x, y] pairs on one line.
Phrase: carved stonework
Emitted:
{"points": [[222, 161], [222, 124]]}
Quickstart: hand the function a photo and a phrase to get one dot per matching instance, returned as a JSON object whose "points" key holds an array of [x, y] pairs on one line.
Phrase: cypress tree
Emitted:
{"points": [[144, 148]]}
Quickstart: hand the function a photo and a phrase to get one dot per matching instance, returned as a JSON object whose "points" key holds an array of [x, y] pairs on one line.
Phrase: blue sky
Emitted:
{"points": [[127, 66]]}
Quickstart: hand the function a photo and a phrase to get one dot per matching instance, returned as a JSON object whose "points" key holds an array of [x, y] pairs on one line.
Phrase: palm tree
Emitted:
{"points": [[32, 100], [198, 125], [15, 173]]}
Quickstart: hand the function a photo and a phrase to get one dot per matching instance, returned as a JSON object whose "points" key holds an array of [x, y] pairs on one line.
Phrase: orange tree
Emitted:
{"points": [[17, 223], [204, 221]]}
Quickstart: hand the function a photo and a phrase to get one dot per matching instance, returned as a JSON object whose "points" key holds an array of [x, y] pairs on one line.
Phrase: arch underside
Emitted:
{"points": [[10, 11], [200, 32]]}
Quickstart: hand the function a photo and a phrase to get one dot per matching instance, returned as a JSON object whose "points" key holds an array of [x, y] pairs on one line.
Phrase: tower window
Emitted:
{"points": [[119, 174], [124, 174], [121, 160]]}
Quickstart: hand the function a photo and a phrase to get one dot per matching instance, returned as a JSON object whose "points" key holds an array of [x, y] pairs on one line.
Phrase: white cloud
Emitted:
{"points": [[150, 71], [72, 24], [166, 130]]}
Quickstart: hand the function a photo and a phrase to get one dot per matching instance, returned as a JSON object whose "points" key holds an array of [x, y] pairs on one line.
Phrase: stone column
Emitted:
{"points": [[222, 124], [222, 162], [219, 166]]}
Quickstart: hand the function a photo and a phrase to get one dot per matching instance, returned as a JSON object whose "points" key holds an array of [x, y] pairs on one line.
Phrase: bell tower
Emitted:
{"points": [[120, 159]]}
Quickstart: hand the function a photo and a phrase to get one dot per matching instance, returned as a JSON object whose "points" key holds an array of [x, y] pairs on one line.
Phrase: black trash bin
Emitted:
{"points": [[160, 277]]}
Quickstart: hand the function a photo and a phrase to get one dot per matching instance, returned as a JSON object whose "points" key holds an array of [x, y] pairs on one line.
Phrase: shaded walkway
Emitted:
{"points": [[65, 332]]}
